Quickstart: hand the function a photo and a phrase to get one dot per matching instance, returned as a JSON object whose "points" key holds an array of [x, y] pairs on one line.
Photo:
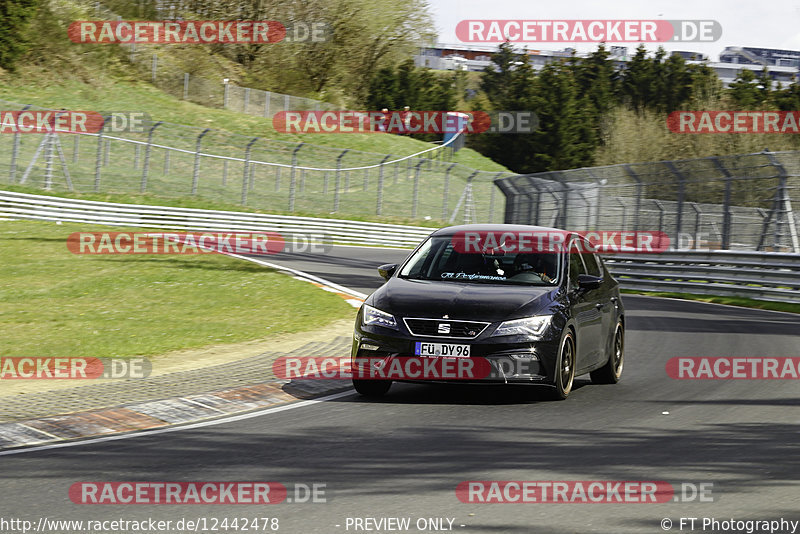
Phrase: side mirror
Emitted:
{"points": [[386, 271], [587, 281]]}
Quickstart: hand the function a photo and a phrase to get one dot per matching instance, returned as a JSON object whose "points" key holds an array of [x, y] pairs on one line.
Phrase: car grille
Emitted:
{"points": [[457, 329]]}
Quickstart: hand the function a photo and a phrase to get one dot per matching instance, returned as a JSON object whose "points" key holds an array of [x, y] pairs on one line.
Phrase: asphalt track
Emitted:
{"points": [[404, 455]]}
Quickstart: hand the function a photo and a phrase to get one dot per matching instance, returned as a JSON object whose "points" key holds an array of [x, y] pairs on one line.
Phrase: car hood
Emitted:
{"points": [[464, 301]]}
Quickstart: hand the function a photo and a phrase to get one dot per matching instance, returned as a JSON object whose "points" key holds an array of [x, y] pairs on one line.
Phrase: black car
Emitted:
{"points": [[538, 313]]}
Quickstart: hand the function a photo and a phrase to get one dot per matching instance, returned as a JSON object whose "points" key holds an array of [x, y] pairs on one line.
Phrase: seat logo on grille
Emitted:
{"points": [[444, 328]]}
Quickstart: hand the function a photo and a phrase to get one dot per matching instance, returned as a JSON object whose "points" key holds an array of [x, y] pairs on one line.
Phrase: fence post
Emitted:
{"points": [[224, 172], [267, 96], [366, 178], [726, 208], [225, 93], [137, 152], [246, 168], [681, 197], [98, 161], [277, 179], [292, 183], [147, 150], [446, 189], [166, 162], [76, 148], [246, 99], [379, 208], [338, 180], [154, 68], [196, 175], [285, 102], [107, 155], [415, 201], [783, 206], [186, 86], [15, 153], [639, 186], [492, 195]]}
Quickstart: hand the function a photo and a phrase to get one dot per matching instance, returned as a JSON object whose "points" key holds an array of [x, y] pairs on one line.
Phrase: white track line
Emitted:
{"points": [[191, 426]]}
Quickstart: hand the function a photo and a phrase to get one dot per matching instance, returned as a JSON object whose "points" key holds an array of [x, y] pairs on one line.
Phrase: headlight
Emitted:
{"points": [[530, 326], [375, 317]]}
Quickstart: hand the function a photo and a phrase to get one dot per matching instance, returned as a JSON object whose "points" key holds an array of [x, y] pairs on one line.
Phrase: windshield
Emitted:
{"points": [[438, 260]]}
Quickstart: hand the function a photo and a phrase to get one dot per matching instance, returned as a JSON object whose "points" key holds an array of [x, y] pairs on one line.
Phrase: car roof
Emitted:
{"points": [[453, 230]]}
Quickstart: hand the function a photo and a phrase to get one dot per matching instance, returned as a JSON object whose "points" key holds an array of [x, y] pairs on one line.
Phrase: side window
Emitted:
{"points": [[576, 265], [592, 264]]}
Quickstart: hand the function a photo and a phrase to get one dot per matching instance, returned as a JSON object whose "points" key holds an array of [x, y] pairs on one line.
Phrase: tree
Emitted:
{"points": [[15, 16], [744, 90], [636, 85]]}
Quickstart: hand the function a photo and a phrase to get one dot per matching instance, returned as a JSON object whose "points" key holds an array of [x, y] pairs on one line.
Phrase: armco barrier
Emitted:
{"points": [[769, 276], [39, 207]]}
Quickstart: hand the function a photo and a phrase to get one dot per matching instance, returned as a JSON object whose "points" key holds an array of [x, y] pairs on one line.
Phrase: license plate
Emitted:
{"points": [[441, 350]]}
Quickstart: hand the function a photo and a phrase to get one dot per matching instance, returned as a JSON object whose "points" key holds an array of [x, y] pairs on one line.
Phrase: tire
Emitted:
{"points": [[564, 372], [611, 372], [372, 388]]}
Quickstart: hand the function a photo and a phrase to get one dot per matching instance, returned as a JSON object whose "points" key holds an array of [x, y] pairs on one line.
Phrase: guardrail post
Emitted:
{"points": [[292, 183], [446, 189], [379, 208], [15, 154], [147, 151], [247, 168], [415, 200], [338, 180], [196, 175]]}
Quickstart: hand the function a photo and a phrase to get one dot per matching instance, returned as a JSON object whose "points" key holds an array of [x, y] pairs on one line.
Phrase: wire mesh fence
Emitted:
{"points": [[171, 160], [740, 202]]}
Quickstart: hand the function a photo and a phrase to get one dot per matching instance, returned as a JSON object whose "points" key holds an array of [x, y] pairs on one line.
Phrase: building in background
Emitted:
{"points": [[782, 65]]}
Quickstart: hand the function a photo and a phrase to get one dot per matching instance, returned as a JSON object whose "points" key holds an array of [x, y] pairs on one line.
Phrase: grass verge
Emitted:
{"points": [[54, 303]]}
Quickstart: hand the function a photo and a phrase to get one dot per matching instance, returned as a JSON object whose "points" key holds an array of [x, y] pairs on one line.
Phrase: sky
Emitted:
{"points": [[756, 23]]}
